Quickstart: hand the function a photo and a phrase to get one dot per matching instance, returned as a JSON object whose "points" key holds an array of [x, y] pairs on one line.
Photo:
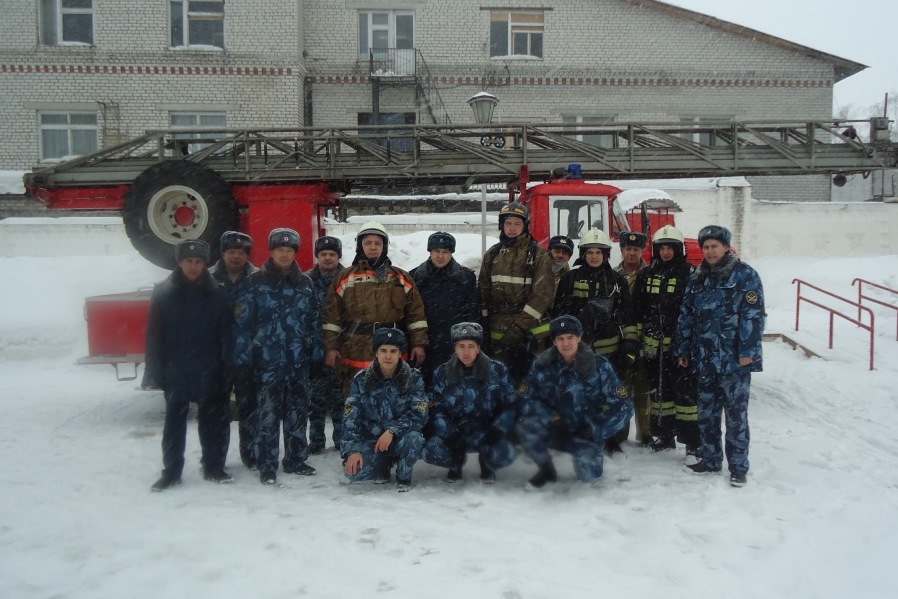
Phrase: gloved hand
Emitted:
{"points": [[628, 353], [493, 436], [558, 428]]}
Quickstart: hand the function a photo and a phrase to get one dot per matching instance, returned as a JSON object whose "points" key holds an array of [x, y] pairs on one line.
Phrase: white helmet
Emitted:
{"points": [[595, 238], [372, 228], [668, 234]]}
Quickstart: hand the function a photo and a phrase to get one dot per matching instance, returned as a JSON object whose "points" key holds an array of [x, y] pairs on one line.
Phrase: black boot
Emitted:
{"points": [[459, 455], [487, 474], [612, 447], [545, 475], [166, 482], [382, 472], [663, 444]]}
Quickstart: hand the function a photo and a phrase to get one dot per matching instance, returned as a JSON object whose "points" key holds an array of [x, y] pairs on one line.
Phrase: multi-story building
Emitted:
{"points": [[77, 75]]}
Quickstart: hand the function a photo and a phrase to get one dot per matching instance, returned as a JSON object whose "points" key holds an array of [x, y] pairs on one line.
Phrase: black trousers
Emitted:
{"points": [[213, 424]]}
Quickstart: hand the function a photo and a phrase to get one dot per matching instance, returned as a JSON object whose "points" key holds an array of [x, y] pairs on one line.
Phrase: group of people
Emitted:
{"points": [[438, 363]]}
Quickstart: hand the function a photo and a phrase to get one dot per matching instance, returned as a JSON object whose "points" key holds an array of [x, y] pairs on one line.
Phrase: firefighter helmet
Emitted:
{"points": [[595, 238], [372, 228], [514, 209], [668, 234]]}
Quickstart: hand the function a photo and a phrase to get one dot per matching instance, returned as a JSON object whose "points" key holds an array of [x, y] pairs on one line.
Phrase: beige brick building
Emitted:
{"points": [[76, 75]]}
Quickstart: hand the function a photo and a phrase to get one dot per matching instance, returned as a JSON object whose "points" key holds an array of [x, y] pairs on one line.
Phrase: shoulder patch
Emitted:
{"points": [[622, 391], [238, 310], [422, 406], [522, 388], [751, 297], [347, 410]]}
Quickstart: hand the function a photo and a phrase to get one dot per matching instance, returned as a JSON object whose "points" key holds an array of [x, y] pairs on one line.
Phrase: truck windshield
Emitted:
{"points": [[573, 216]]}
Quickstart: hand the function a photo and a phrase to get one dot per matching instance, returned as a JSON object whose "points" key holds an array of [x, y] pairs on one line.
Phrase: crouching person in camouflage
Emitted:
{"points": [[278, 333], [473, 408], [384, 415], [572, 401]]}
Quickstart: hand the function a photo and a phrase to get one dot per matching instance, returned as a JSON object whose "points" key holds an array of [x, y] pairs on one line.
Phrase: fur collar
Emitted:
{"points": [[584, 361], [455, 370], [402, 377], [274, 275]]}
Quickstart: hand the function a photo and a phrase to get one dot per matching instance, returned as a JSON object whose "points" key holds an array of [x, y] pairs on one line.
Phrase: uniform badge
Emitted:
{"points": [[522, 388], [238, 310], [751, 297], [347, 410], [422, 406], [622, 391]]}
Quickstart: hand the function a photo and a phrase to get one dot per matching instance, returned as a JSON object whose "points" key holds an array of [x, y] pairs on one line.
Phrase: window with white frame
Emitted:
{"points": [[382, 30], [213, 122], [516, 33], [197, 23], [705, 136], [67, 22], [67, 134], [593, 138]]}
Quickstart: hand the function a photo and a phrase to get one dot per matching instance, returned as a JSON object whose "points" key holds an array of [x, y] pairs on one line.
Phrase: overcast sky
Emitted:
{"points": [[864, 31]]}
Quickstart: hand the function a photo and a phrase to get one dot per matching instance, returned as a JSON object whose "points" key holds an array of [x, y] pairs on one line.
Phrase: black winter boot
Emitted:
{"points": [[487, 474], [166, 482], [545, 475]]}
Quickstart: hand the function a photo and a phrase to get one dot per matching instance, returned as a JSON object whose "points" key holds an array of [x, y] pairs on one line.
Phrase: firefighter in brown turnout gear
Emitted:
{"points": [[372, 293], [659, 294], [600, 298], [516, 290], [632, 244]]}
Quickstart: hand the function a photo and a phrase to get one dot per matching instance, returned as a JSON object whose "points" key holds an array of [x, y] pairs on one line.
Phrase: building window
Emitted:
{"points": [[600, 140], [703, 135], [197, 23], [67, 134], [383, 30], [516, 33], [214, 122], [67, 22], [397, 119]]}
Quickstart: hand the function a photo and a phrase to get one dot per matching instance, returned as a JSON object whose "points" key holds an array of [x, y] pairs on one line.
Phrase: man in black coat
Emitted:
{"points": [[450, 295], [188, 332]]}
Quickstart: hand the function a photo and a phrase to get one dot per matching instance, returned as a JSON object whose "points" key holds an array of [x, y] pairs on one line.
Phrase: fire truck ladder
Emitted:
{"points": [[471, 154]]}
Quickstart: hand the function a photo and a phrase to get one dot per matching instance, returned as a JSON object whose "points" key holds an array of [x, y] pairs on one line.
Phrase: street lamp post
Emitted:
{"points": [[483, 105]]}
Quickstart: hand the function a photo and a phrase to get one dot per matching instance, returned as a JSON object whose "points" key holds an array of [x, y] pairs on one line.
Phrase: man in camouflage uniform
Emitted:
{"points": [[561, 248], [372, 292], [188, 334], [232, 275], [450, 295], [517, 286], [659, 293], [384, 415], [720, 331], [632, 244], [474, 408], [277, 335], [325, 389], [572, 401]]}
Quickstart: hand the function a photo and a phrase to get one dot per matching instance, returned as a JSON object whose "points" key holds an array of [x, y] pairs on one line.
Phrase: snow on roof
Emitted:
{"points": [[11, 182]]}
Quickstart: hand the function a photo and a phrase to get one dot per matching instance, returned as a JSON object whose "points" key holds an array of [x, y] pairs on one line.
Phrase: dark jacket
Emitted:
{"points": [[657, 299], [188, 336], [232, 288], [450, 296]]}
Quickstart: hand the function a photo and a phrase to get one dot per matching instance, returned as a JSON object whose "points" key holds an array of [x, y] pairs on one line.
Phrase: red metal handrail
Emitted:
{"points": [[861, 297], [833, 312]]}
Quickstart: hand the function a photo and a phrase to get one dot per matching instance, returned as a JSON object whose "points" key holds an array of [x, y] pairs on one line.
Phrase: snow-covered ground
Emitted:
{"points": [[818, 518]]}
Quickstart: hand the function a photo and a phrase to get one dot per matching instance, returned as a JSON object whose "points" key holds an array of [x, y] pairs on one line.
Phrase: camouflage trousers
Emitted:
{"points": [[439, 451], [282, 404], [727, 393], [537, 440], [404, 450], [325, 399], [213, 426], [247, 415]]}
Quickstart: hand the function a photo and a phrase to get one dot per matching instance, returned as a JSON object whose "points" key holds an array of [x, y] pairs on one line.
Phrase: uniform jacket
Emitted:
{"points": [[278, 328], [631, 279], [450, 296], [511, 292], [659, 294], [188, 336], [376, 404], [722, 318], [587, 395], [600, 298], [476, 398], [360, 297], [321, 283], [232, 288]]}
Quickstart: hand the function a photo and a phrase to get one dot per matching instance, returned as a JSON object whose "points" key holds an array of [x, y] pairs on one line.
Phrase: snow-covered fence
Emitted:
{"points": [[64, 236]]}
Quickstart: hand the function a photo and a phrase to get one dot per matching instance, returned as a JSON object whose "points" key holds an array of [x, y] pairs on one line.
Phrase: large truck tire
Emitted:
{"points": [[173, 201]]}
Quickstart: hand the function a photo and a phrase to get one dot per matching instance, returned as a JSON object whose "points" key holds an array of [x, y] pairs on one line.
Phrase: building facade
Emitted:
{"points": [[77, 75]]}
